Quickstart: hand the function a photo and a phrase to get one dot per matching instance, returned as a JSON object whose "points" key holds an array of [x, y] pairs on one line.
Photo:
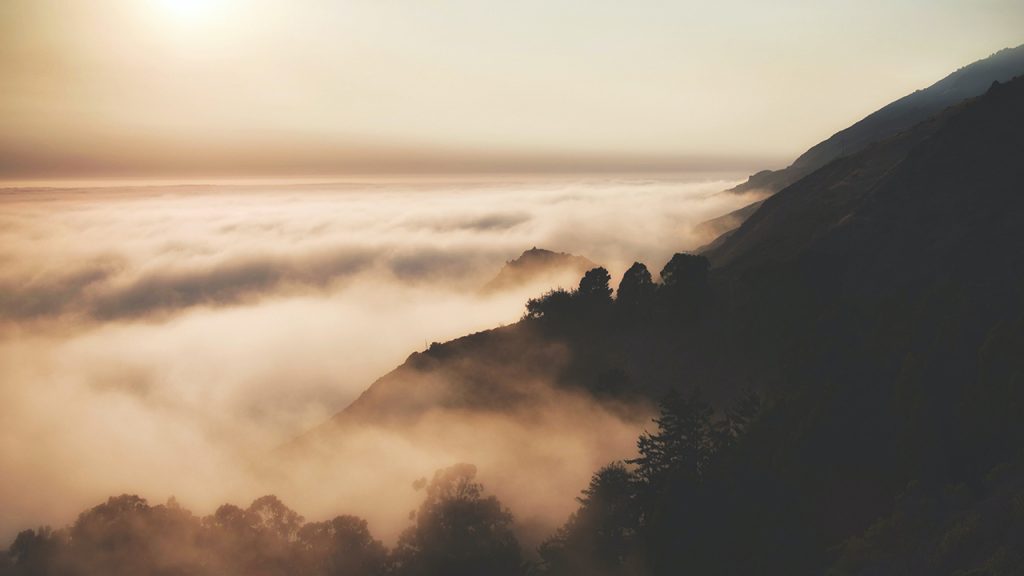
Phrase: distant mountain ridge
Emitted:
{"points": [[538, 264], [969, 81], [830, 202]]}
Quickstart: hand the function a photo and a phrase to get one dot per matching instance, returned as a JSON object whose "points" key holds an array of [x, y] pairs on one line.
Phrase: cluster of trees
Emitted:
{"points": [[456, 531], [641, 516], [684, 283], [695, 500], [623, 525]]}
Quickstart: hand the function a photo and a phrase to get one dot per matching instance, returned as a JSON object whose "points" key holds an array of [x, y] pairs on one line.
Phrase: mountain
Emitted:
{"points": [[537, 265], [876, 224], [721, 227], [876, 305], [858, 341], [967, 82], [890, 286], [962, 163]]}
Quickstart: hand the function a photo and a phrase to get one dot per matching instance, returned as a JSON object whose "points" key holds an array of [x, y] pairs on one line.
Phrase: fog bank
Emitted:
{"points": [[165, 340]]}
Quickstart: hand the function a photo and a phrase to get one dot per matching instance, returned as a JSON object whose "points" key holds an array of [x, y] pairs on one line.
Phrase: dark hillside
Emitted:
{"points": [[877, 306], [967, 82]]}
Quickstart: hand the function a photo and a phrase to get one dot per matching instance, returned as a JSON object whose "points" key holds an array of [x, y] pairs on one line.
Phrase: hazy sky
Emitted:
{"points": [[194, 87]]}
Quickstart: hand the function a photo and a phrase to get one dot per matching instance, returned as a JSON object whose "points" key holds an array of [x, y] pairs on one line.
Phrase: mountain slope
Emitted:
{"points": [[934, 204], [893, 285], [877, 305], [967, 82], [964, 163]]}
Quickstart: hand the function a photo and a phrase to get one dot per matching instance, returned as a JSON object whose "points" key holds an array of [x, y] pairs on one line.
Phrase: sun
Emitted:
{"points": [[188, 10]]}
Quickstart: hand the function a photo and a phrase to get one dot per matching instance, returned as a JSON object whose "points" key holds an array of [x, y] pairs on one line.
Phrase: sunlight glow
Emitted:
{"points": [[189, 11]]}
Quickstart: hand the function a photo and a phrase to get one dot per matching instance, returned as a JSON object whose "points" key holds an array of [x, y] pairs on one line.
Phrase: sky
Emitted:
{"points": [[164, 88]]}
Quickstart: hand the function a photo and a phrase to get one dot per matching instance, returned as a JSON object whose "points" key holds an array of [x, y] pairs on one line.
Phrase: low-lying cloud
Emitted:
{"points": [[165, 340]]}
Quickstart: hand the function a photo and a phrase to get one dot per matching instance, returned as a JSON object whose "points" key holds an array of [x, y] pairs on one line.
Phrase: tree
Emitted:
{"points": [[341, 547], [459, 531], [683, 445], [739, 417], [636, 286], [125, 535], [685, 277], [34, 552], [553, 305], [599, 537], [260, 538], [271, 515], [594, 286]]}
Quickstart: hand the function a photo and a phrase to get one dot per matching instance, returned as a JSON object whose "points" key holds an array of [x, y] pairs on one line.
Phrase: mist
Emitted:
{"points": [[169, 340]]}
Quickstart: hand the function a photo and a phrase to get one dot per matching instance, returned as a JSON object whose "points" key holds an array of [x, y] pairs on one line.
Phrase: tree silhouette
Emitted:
{"points": [[271, 515], [636, 286], [341, 547], [33, 553], [459, 531], [553, 305], [594, 286], [598, 539], [683, 445], [685, 277]]}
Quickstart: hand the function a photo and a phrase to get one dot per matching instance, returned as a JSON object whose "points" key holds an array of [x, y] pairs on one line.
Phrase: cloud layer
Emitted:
{"points": [[146, 331]]}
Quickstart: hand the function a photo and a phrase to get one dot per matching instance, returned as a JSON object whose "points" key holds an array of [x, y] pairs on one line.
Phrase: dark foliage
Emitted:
{"points": [[458, 531], [647, 518], [685, 275], [594, 286], [341, 547], [636, 288], [554, 305], [600, 537]]}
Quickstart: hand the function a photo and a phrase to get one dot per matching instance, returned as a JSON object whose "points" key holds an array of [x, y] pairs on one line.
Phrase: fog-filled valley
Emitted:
{"points": [[166, 340], [834, 385], [536, 288]]}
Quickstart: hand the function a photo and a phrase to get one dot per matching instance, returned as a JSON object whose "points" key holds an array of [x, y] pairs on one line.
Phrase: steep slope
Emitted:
{"points": [[870, 222], [721, 227], [967, 82], [933, 209], [877, 304], [964, 163], [892, 286], [878, 246]]}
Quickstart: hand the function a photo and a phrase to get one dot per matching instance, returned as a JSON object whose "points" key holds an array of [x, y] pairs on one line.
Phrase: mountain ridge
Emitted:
{"points": [[966, 82], [535, 265]]}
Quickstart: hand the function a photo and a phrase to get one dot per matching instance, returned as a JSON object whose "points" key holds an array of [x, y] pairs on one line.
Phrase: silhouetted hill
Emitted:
{"points": [[884, 292], [538, 265], [721, 227], [962, 163], [933, 202], [877, 305], [816, 219], [966, 82], [874, 313]]}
